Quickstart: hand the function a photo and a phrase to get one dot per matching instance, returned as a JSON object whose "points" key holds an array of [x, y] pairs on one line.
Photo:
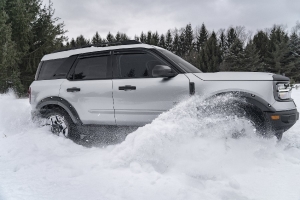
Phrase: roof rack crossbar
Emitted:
{"points": [[106, 44]]}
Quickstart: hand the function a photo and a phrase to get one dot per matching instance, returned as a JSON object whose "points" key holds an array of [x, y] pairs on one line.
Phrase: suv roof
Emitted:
{"points": [[99, 47]]}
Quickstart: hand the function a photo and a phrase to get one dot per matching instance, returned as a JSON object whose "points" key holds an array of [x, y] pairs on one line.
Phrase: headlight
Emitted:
{"points": [[284, 91]]}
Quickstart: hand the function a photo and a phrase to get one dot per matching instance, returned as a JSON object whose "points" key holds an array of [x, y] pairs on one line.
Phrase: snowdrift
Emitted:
{"points": [[183, 154]]}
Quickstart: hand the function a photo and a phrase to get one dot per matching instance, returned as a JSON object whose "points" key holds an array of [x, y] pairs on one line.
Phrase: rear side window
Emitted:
{"points": [[137, 65], [49, 67], [91, 68]]}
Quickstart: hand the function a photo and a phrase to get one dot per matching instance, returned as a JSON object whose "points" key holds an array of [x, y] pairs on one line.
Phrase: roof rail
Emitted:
{"points": [[126, 42]]}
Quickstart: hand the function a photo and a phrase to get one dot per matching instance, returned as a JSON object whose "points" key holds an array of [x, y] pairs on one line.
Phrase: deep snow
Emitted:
{"points": [[180, 155]]}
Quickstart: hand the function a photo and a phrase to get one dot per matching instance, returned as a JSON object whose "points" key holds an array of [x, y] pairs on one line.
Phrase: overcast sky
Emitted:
{"points": [[133, 17]]}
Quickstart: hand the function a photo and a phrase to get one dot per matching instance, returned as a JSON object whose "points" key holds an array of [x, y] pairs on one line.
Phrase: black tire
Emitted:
{"points": [[258, 119], [279, 134], [56, 128], [230, 105]]}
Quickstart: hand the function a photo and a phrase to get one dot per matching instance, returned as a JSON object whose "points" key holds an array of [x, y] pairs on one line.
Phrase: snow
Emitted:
{"points": [[180, 155]]}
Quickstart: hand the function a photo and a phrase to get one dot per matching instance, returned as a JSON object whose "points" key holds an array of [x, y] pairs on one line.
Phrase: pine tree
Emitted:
{"points": [[96, 39], [182, 44], [143, 38], [235, 56], [227, 50], [279, 59], [175, 45], [124, 37], [202, 61], [295, 44], [118, 36], [110, 37], [149, 37], [169, 40], [252, 61], [230, 37], [222, 43], [261, 42], [21, 15], [73, 43], [188, 39], [210, 55], [35, 31], [9, 56], [155, 39], [162, 41], [81, 41], [201, 38]]}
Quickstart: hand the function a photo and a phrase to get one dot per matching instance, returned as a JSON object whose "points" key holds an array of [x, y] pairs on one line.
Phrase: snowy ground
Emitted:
{"points": [[179, 156]]}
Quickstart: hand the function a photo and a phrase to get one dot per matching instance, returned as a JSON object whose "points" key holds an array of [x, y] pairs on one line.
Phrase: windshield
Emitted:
{"points": [[186, 66]]}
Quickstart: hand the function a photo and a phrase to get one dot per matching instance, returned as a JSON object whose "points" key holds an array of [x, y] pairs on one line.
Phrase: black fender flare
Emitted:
{"points": [[64, 104], [257, 101]]}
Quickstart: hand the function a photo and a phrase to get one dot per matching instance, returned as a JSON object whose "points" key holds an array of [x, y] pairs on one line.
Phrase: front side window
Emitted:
{"points": [[91, 68], [189, 68], [137, 65]]}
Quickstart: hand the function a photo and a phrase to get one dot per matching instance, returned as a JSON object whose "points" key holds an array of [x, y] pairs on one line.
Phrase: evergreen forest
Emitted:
{"points": [[29, 30]]}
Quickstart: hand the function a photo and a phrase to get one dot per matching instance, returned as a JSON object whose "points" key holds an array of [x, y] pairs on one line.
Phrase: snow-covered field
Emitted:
{"points": [[181, 155]]}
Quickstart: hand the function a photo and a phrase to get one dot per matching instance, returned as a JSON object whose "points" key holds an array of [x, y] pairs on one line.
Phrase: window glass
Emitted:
{"points": [[38, 71], [63, 70], [49, 68], [91, 68], [189, 68], [137, 65]]}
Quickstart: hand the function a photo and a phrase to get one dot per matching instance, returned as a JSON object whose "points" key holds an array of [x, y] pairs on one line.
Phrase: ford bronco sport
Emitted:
{"points": [[129, 84]]}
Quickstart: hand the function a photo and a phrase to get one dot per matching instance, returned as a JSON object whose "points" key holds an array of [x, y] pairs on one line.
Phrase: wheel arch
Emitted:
{"points": [[255, 108], [255, 100], [58, 102]]}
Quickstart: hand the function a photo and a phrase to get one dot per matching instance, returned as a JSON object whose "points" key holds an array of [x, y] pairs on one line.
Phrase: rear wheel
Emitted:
{"points": [[59, 123]]}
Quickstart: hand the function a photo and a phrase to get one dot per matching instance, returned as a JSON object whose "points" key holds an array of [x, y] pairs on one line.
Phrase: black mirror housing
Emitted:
{"points": [[163, 71]]}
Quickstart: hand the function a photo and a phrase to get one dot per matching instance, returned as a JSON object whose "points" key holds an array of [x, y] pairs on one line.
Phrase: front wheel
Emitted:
{"points": [[231, 107], [259, 120]]}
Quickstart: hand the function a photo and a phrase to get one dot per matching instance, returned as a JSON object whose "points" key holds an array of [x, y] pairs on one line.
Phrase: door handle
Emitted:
{"points": [[73, 89], [127, 87]]}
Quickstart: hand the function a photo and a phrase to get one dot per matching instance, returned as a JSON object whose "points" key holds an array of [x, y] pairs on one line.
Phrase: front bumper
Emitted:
{"points": [[283, 120]]}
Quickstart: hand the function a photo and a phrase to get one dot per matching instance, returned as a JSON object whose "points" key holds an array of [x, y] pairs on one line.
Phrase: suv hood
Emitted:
{"points": [[235, 76]]}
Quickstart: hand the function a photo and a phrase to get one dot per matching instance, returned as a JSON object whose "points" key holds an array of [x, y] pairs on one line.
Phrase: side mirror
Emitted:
{"points": [[163, 71]]}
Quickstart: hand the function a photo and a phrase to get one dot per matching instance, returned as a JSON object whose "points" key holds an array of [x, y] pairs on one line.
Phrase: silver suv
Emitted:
{"points": [[130, 84]]}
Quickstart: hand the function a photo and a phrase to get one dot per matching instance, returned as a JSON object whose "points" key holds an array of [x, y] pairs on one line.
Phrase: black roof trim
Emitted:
{"points": [[126, 42]]}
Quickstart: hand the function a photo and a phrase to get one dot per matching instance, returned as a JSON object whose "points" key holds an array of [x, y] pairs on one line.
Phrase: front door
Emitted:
{"points": [[138, 96]]}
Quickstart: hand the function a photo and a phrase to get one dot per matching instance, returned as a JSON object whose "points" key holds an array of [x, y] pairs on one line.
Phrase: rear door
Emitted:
{"points": [[138, 96], [89, 88]]}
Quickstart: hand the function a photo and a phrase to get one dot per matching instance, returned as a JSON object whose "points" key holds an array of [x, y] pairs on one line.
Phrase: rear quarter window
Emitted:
{"points": [[49, 68], [38, 71]]}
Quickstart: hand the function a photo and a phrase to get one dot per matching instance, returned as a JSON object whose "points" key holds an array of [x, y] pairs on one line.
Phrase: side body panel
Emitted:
{"points": [[262, 89], [93, 103], [43, 89], [151, 97]]}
